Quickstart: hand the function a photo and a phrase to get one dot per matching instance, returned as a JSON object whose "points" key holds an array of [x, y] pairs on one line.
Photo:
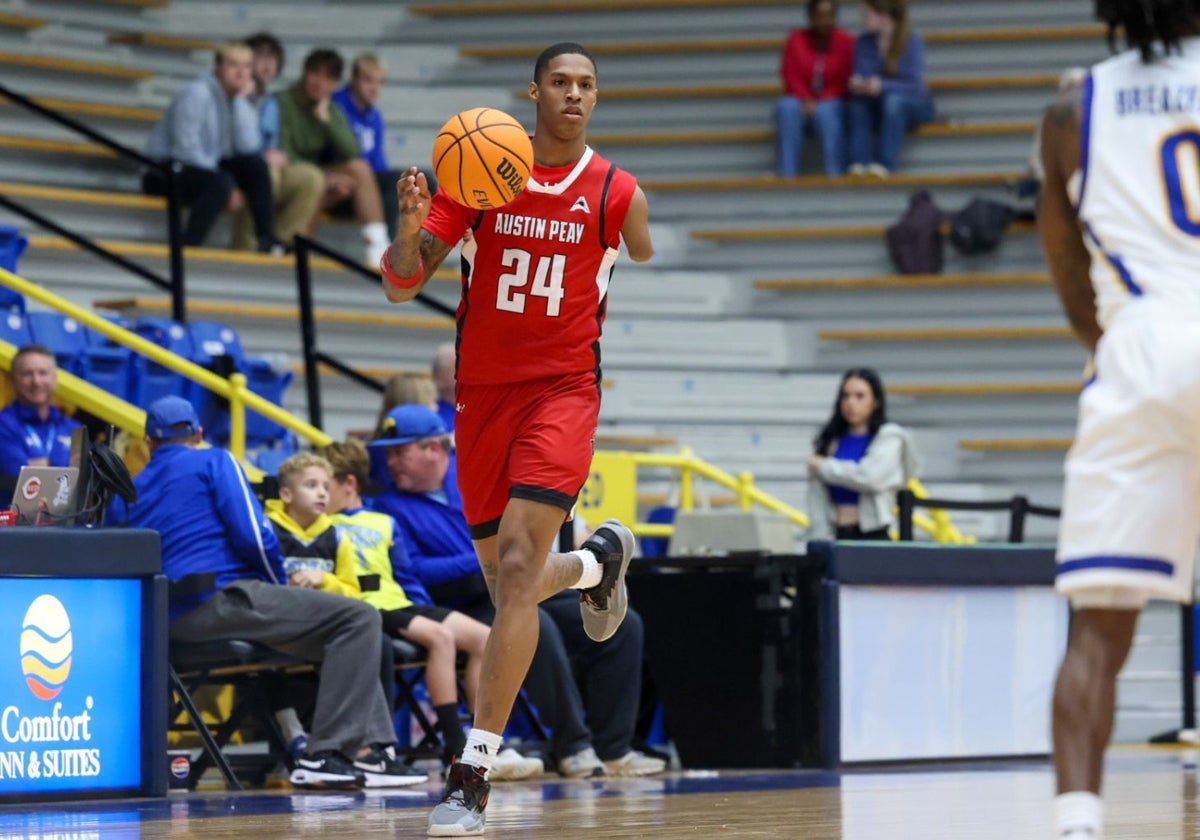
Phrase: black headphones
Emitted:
{"points": [[111, 475]]}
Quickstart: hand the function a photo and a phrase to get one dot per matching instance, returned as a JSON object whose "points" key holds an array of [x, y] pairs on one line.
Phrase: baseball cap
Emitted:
{"points": [[171, 417], [406, 423]]}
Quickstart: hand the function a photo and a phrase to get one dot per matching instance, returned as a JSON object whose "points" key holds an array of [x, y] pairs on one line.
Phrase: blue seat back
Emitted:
{"points": [[62, 336]]}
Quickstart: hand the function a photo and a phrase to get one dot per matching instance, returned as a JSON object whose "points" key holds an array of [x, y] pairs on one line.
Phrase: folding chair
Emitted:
{"points": [[244, 665]]}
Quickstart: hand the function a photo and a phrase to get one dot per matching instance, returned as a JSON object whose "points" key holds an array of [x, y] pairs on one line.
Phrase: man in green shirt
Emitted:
{"points": [[312, 129]]}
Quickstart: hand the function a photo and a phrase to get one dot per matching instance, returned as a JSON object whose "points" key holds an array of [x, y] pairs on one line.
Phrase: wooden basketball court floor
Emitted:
{"points": [[1151, 793]]}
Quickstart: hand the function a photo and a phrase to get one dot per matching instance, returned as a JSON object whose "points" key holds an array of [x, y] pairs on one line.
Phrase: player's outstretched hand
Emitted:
{"points": [[412, 196]]}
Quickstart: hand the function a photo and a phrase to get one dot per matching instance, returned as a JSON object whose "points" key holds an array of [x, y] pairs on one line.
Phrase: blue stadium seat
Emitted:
{"points": [[14, 328], [153, 380], [12, 245], [211, 340], [109, 368]]}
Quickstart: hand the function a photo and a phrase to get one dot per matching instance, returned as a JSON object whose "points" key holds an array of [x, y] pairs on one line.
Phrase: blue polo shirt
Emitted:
{"points": [[24, 436], [436, 538], [368, 129]]}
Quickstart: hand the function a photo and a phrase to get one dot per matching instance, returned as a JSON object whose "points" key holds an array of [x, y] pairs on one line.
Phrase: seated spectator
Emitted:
{"points": [[888, 94], [296, 186], [445, 360], [32, 431], [423, 497], [358, 101], [210, 133], [815, 69], [226, 568], [401, 599], [408, 388], [860, 461], [311, 129]]}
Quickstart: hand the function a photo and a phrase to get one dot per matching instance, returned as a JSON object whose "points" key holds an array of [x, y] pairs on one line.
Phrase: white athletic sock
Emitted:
{"points": [[1079, 815], [591, 569], [289, 724], [481, 749]]}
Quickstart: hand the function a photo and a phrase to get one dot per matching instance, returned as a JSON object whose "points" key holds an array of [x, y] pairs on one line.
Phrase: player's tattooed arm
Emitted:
{"points": [[406, 259], [433, 252]]}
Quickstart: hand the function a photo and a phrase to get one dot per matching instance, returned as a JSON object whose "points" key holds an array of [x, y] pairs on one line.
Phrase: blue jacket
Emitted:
{"points": [[435, 534], [23, 436], [910, 71], [202, 126], [208, 519], [368, 129]]}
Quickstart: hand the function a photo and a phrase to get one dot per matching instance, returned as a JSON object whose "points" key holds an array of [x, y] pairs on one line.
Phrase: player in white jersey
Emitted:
{"points": [[1120, 225]]}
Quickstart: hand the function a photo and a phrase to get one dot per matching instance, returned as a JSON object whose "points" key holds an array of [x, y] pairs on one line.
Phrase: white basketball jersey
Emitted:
{"points": [[1138, 188]]}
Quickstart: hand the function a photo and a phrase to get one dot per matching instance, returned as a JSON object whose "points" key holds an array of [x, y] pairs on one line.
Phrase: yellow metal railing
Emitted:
{"points": [[234, 389], [611, 491]]}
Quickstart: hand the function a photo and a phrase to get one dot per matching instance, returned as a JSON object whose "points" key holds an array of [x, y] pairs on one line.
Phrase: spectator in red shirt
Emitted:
{"points": [[816, 68]]}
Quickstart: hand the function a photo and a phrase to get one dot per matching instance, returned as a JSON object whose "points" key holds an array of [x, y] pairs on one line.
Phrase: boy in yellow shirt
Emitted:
{"points": [[318, 554], [442, 632]]}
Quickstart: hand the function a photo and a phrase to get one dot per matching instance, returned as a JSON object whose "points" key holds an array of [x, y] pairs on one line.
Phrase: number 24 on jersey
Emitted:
{"points": [[517, 285]]}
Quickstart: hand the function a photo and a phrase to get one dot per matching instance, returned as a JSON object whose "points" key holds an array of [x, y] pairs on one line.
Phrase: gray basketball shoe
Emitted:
{"points": [[604, 605], [460, 813]]}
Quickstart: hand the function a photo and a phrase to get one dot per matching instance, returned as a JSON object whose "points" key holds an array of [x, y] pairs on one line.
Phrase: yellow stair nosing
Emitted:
{"points": [[946, 334], [902, 281], [814, 232], [902, 180], [985, 389], [74, 65], [282, 312], [946, 36], [1014, 444]]}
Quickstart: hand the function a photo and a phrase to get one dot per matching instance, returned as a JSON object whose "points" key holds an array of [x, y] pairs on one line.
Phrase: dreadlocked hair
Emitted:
{"points": [[1149, 23]]}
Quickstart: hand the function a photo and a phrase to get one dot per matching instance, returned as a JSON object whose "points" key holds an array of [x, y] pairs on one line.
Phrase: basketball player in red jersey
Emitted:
{"points": [[535, 280]]}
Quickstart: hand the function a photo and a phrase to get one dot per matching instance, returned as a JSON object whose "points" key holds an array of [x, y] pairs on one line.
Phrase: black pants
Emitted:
{"points": [[207, 191], [854, 532]]}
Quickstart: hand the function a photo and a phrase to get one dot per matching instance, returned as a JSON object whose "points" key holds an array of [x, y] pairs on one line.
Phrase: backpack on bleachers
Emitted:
{"points": [[979, 227], [915, 241]]}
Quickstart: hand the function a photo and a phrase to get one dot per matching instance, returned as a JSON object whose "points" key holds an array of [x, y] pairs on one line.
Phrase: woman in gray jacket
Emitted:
{"points": [[859, 463]]}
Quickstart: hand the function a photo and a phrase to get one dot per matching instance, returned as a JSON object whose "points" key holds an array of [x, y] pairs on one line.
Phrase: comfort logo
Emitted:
{"points": [[46, 647]]}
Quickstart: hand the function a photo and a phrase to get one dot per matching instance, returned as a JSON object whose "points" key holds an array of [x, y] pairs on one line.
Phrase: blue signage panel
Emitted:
{"points": [[70, 685]]}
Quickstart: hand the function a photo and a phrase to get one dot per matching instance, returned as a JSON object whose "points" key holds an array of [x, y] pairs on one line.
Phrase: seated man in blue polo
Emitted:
{"points": [[228, 582], [32, 431], [592, 734]]}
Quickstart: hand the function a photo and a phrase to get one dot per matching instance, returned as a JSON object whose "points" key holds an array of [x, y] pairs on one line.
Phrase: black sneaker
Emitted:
{"points": [[460, 813], [381, 769], [604, 605], [326, 769]]}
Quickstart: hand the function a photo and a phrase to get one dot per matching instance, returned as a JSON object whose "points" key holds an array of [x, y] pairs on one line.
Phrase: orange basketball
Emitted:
{"points": [[482, 158]]}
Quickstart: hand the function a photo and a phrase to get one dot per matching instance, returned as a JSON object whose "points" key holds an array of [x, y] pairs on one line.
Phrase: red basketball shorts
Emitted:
{"points": [[526, 440]]}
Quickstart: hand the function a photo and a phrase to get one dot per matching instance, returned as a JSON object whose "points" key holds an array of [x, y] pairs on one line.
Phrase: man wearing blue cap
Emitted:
{"points": [[424, 498], [228, 582]]}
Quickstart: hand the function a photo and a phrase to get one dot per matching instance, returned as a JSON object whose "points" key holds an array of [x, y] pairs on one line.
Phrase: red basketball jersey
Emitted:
{"points": [[536, 272]]}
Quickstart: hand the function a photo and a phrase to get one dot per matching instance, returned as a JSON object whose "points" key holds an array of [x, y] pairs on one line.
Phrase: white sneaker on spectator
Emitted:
{"points": [[878, 170], [510, 765], [856, 169], [634, 763], [584, 764]]}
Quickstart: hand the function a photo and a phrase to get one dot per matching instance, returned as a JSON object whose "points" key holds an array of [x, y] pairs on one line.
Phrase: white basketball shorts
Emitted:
{"points": [[1131, 503]]}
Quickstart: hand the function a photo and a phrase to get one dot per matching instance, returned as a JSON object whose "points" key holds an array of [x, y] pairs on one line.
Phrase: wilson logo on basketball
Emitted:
{"points": [[46, 647], [512, 177]]}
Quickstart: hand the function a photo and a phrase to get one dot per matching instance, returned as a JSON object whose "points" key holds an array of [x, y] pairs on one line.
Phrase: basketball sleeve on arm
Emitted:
{"points": [[246, 527]]}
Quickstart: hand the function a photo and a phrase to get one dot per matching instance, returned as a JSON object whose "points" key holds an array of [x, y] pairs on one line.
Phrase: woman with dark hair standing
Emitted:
{"points": [[815, 69], [859, 462], [888, 93]]}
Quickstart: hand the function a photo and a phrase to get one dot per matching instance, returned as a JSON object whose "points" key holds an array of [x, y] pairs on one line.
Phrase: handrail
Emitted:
{"points": [[690, 468], [233, 389], [314, 358], [1019, 508], [174, 203]]}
